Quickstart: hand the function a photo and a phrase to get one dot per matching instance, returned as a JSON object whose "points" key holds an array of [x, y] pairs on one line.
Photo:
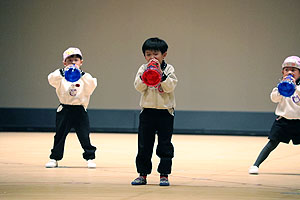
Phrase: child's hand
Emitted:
{"points": [[71, 65], [288, 77], [157, 62]]}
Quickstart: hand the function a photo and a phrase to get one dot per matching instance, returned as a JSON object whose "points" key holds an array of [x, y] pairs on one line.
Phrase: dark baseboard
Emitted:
{"points": [[126, 121]]}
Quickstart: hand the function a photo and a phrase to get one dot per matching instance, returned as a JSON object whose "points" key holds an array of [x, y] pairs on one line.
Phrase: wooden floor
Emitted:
{"points": [[204, 167]]}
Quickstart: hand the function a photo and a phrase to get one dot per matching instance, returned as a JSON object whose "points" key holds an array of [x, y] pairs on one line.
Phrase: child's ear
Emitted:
{"points": [[165, 54], [65, 64]]}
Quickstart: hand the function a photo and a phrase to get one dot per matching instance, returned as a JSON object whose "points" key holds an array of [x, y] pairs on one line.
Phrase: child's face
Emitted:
{"points": [[73, 60], [291, 70], [150, 54]]}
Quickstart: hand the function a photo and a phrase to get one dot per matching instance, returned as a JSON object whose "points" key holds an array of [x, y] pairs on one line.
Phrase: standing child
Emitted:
{"points": [[287, 125], [71, 113], [157, 115]]}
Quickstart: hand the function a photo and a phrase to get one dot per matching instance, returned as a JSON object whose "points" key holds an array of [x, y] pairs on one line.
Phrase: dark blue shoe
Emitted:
{"points": [[139, 181], [164, 181]]}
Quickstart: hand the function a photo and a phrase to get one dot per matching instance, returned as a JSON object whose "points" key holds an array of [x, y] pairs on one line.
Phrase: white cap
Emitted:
{"points": [[291, 61], [71, 51]]}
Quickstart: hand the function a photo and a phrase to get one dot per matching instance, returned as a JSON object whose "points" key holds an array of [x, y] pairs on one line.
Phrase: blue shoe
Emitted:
{"points": [[164, 181], [139, 181]]}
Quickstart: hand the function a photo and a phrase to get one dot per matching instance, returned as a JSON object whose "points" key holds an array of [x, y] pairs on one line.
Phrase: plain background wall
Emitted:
{"points": [[227, 53]]}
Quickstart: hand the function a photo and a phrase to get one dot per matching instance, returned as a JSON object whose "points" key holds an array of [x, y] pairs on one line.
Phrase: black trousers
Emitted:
{"points": [[284, 130], [72, 117], [152, 122]]}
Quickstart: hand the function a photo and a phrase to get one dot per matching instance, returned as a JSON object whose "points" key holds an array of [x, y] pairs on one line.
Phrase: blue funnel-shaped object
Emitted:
{"points": [[287, 87], [72, 74]]}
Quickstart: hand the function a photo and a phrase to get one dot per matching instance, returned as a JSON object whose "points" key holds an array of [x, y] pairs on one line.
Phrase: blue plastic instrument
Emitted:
{"points": [[287, 87], [72, 74]]}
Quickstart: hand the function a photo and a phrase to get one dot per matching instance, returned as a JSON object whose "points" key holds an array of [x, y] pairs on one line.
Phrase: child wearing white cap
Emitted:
{"points": [[71, 113], [286, 127]]}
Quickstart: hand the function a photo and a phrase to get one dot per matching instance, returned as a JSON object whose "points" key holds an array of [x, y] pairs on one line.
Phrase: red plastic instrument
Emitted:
{"points": [[152, 75]]}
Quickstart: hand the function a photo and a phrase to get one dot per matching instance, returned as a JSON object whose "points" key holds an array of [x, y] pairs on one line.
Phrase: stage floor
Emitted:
{"points": [[204, 167]]}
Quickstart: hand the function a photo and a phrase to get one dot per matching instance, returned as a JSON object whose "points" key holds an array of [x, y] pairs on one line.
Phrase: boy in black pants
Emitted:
{"points": [[71, 113], [157, 115]]}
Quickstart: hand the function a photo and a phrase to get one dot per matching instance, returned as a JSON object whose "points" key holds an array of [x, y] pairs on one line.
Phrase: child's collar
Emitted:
{"points": [[163, 65]]}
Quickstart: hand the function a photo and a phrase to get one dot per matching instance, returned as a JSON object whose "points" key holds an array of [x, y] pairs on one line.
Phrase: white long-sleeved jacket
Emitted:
{"points": [[77, 93], [160, 97], [288, 107]]}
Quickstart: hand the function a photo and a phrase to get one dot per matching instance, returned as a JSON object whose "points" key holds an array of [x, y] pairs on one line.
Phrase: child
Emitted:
{"points": [[71, 113], [157, 115], [287, 125]]}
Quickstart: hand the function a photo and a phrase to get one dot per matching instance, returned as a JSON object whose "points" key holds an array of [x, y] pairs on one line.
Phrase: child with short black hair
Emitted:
{"points": [[157, 115], [286, 127], [71, 113]]}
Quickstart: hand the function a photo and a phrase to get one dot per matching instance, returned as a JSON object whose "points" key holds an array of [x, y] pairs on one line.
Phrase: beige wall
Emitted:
{"points": [[227, 53]]}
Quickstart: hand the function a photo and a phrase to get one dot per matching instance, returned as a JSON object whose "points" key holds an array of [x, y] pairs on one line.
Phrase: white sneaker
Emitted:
{"points": [[51, 164], [253, 170], [91, 164]]}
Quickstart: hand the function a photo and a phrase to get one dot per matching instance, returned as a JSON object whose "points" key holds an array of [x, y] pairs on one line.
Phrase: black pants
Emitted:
{"points": [[154, 121], [283, 130], [72, 117]]}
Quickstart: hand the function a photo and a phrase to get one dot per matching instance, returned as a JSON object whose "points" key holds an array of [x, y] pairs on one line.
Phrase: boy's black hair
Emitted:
{"points": [[155, 44]]}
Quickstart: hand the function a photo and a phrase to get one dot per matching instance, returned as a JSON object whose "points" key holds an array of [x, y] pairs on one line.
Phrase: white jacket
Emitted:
{"points": [[288, 107], [161, 96], [77, 93]]}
